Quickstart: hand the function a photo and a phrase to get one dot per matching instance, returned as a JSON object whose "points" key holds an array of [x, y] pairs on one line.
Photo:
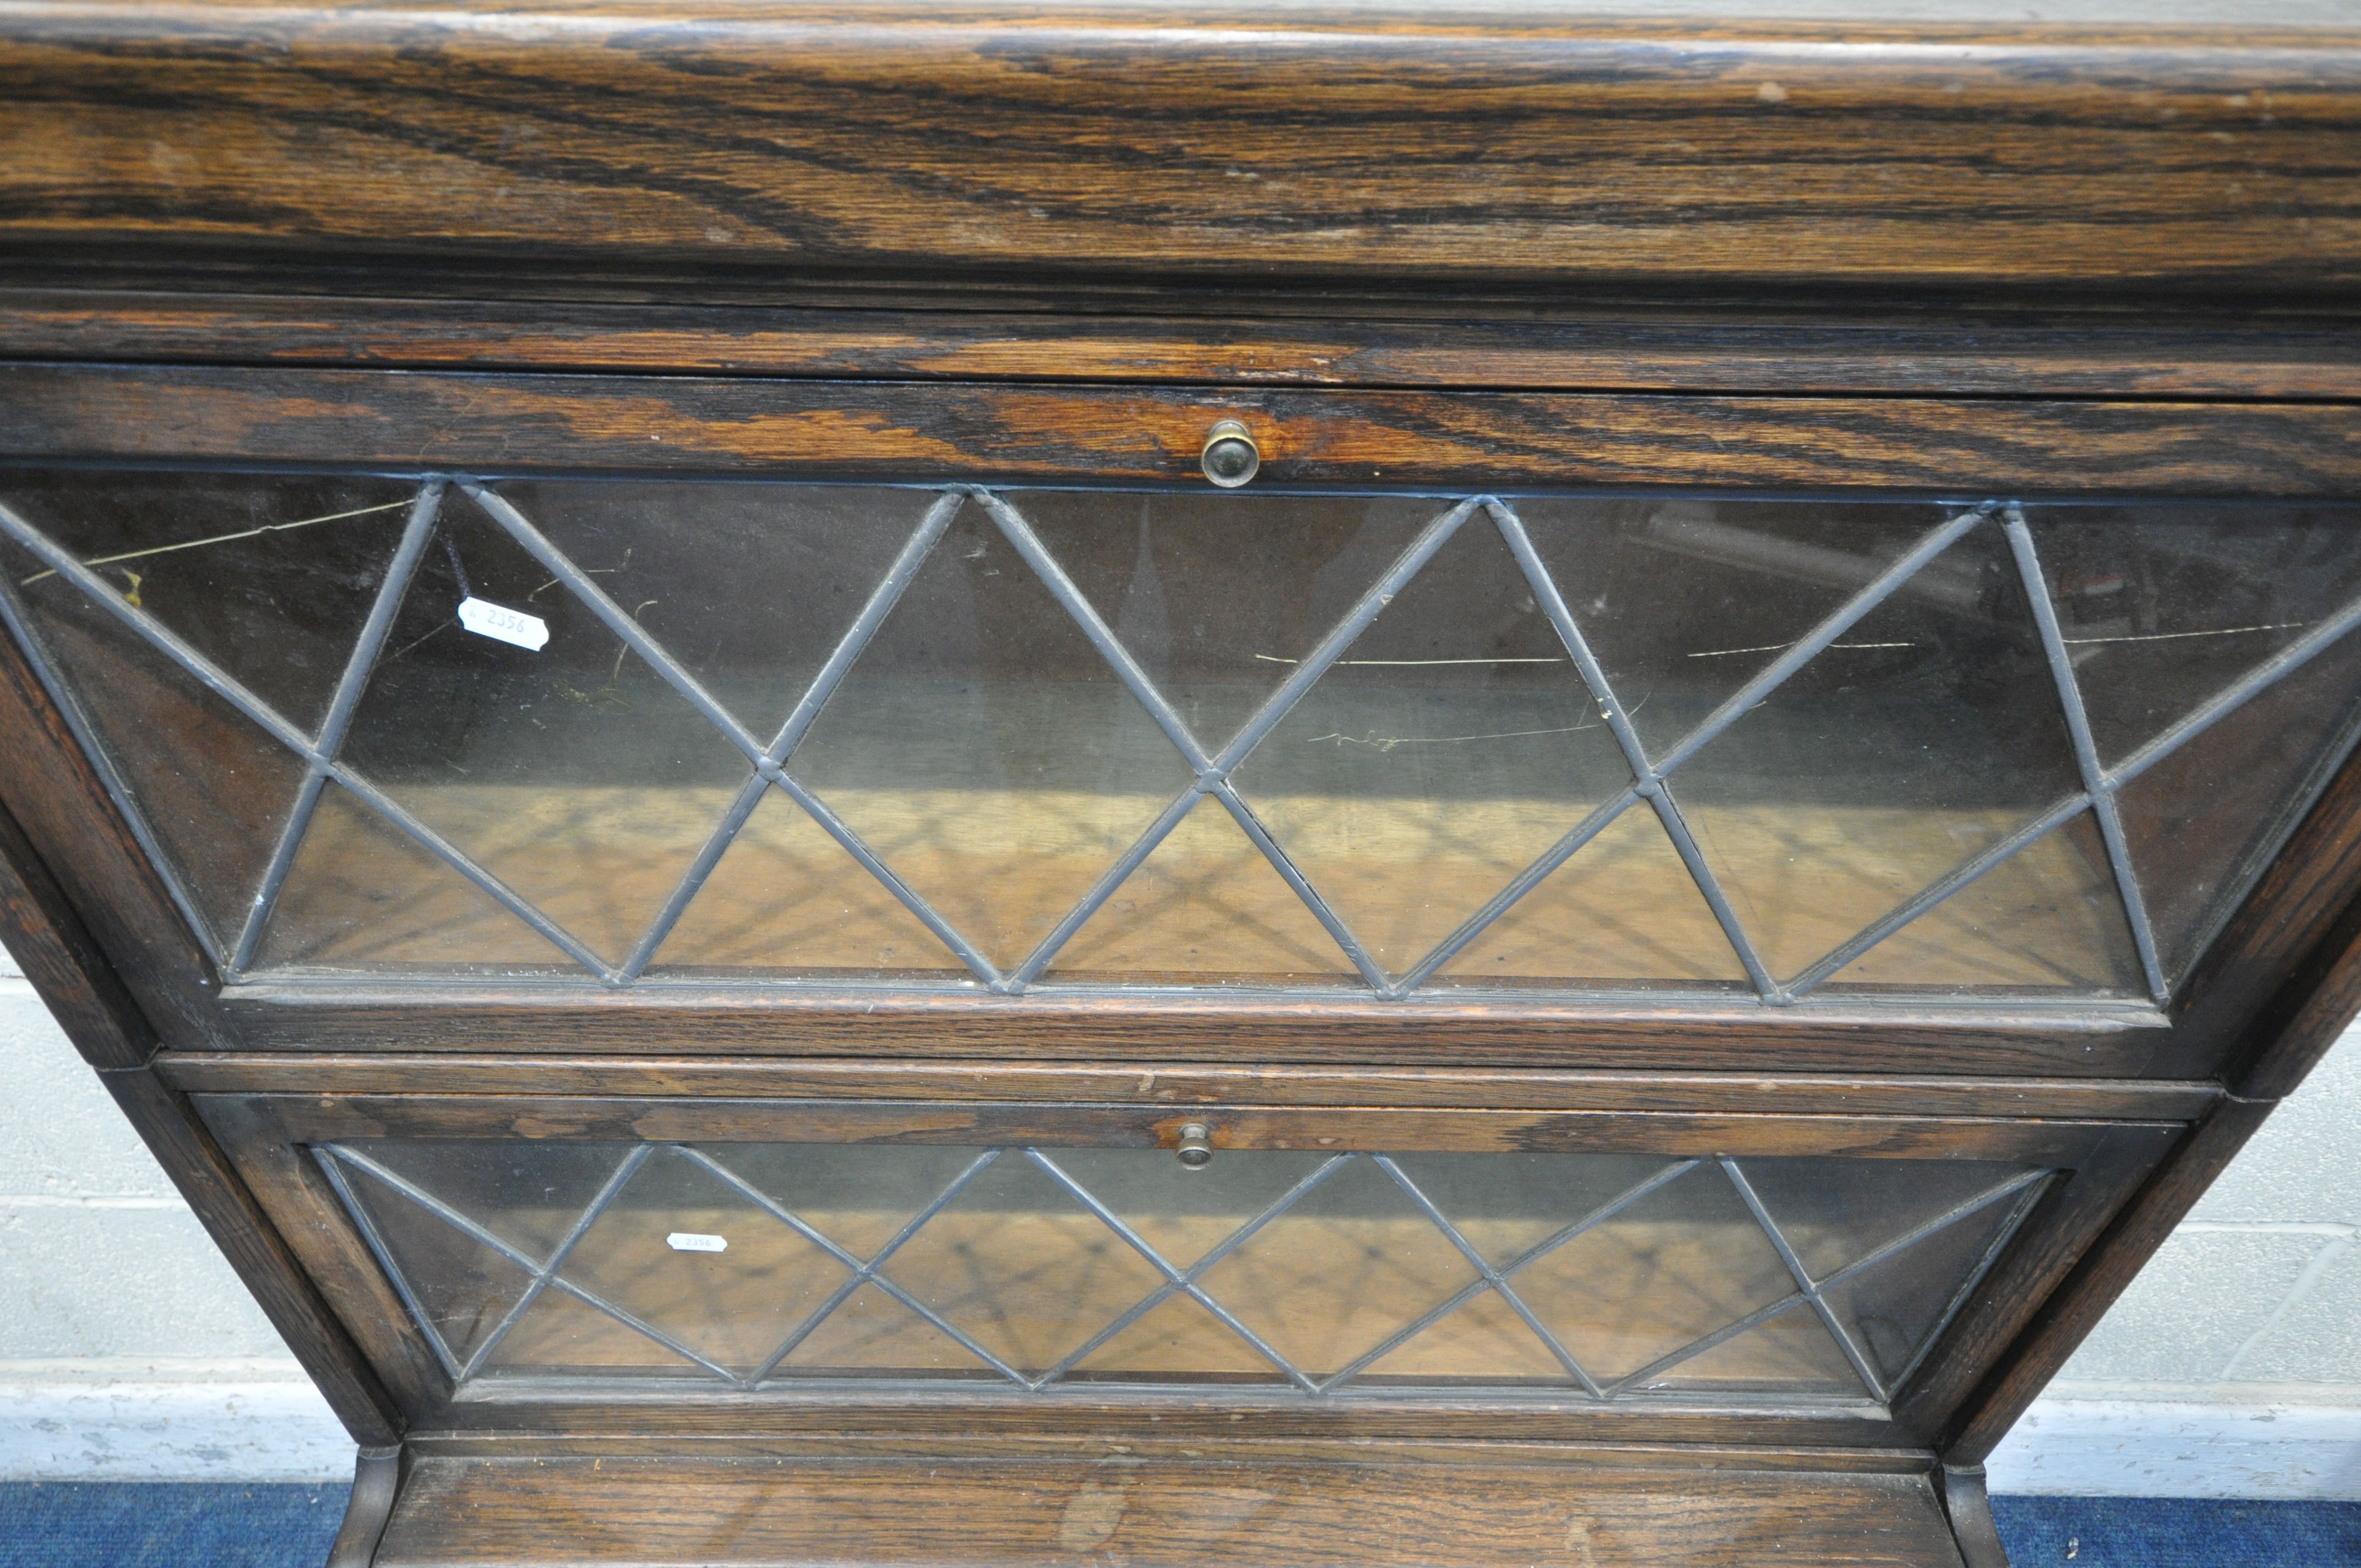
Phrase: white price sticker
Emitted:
{"points": [[501, 624], [691, 1240]]}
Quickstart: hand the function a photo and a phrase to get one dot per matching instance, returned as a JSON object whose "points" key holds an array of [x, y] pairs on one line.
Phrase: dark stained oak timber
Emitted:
{"points": [[1248, 344], [326, 1117], [2321, 1001], [2074, 1309], [604, 1416], [1982, 1039], [56, 952], [377, 1481], [73, 829], [1446, 252], [1970, 1507], [888, 1441], [1225, 140], [724, 1512], [306, 1212], [2293, 1032], [1185, 1083], [2054, 1239], [952, 431], [238, 1225], [2253, 992]]}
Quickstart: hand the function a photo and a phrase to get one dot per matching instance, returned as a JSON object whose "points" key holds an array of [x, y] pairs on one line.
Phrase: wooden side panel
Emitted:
{"points": [[100, 1013], [2283, 1045], [924, 433], [69, 824], [2068, 1316], [56, 952], [2289, 939], [248, 1238], [1019, 138], [2055, 1238]]}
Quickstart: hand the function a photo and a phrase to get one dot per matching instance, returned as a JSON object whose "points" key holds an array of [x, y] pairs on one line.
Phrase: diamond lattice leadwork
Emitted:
{"points": [[1607, 1277], [650, 769]]}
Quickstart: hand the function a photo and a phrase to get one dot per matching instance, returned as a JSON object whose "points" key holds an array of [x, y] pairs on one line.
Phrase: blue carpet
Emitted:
{"points": [[127, 1524], [2177, 1532], [107, 1524]]}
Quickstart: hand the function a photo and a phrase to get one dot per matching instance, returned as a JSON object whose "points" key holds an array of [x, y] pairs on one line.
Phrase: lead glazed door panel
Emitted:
{"points": [[1027, 787]]}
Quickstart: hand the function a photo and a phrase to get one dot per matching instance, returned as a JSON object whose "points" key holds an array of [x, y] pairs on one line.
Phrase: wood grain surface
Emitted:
{"points": [[317, 1118], [1028, 139], [922, 433], [71, 824], [2091, 1041], [54, 949], [2281, 964], [288, 1295], [675, 1511], [1273, 340], [1184, 1084]]}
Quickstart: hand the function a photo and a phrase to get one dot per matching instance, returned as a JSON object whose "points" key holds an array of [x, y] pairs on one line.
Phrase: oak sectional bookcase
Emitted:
{"points": [[1286, 786]]}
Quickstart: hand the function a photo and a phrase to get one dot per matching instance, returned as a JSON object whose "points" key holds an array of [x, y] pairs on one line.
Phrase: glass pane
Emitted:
{"points": [[985, 750], [531, 1195], [363, 894], [1449, 748], [1792, 1354], [1685, 1262], [571, 772], [786, 898], [2163, 605], [269, 577], [1206, 906], [688, 1253], [749, 586], [873, 1335], [1504, 1205], [560, 1334], [1483, 1341], [1894, 1307], [1177, 1340], [213, 789], [1623, 911], [1924, 735], [2049, 918], [1685, 601], [464, 1288], [1020, 1265], [859, 1196], [1646, 1271], [1836, 1213], [1184, 1214], [1218, 597], [2202, 822], [1350, 1265]]}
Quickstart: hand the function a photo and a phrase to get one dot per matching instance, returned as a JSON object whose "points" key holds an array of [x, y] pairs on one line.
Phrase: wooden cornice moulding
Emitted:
{"points": [[1506, 147]]}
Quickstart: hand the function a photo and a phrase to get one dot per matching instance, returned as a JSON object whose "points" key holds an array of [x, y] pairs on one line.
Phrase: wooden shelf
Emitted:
{"points": [[1151, 1512]]}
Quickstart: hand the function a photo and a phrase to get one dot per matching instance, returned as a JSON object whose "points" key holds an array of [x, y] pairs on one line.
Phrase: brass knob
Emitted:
{"points": [[1196, 1146], [1231, 456]]}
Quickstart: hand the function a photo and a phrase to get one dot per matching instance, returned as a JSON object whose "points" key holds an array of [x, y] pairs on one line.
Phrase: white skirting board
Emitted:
{"points": [[188, 1428], [177, 1429], [2122, 1448]]}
